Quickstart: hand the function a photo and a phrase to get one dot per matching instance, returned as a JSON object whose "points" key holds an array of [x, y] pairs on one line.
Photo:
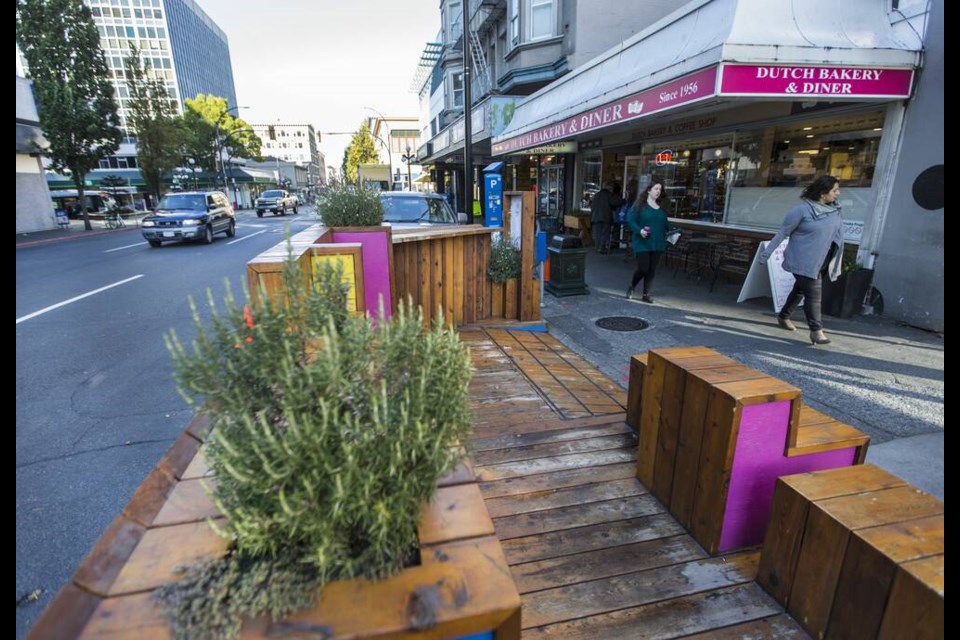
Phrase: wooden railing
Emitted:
{"points": [[437, 268]]}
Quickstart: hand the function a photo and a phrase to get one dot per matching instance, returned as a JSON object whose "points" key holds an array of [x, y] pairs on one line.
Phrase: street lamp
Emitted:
{"points": [[409, 157], [218, 161], [383, 119]]}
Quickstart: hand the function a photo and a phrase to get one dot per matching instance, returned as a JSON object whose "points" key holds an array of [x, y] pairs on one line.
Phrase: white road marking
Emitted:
{"points": [[80, 297], [246, 237], [247, 225], [129, 246]]}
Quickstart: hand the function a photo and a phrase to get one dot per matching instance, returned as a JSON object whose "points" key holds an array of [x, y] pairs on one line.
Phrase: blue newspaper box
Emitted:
{"points": [[493, 192]]}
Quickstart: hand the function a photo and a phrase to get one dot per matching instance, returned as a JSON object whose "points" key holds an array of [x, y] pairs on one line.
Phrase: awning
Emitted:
{"points": [[713, 49]]}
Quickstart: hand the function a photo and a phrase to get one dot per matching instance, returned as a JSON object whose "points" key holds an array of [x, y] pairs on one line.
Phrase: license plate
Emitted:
{"points": [[169, 234]]}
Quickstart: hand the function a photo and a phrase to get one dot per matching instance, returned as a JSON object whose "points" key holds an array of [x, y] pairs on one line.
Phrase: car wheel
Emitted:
{"points": [[208, 235], [259, 213], [232, 229], [294, 209], [154, 243]]}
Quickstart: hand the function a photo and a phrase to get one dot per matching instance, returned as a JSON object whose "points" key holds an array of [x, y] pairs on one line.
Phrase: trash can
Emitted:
{"points": [[567, 266]]}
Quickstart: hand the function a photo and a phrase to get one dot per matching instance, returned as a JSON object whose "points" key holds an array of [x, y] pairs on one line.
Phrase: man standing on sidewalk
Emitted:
{"points": [[601, 215]]}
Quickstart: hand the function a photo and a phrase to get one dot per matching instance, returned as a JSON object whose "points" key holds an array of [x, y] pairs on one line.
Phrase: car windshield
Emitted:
{"points": [[407, 209], [182, 202], [273, 194]]}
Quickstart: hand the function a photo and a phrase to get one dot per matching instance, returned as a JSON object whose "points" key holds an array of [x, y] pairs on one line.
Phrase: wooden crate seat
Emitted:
{"points": [[715, 434], [856, 552]]}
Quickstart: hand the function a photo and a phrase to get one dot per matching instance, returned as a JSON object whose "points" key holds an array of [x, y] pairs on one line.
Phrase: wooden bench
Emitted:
{"points": [[856, 552], [715, 434]]}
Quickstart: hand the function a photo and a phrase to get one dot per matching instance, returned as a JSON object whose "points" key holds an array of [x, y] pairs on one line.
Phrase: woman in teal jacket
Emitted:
{"points": [[648, 221]]}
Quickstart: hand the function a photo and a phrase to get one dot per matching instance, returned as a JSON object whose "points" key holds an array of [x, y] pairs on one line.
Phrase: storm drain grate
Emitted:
{"points": [[622, 323]]}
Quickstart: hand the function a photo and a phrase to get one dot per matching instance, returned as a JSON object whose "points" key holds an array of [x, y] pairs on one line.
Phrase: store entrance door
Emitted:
{"points": [[550, 193]]}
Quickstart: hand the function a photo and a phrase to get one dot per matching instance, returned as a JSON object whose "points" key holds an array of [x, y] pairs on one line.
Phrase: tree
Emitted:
{"points": [[75, 98], [236, 136], [113, 182], [361, 150], [153, 119]]}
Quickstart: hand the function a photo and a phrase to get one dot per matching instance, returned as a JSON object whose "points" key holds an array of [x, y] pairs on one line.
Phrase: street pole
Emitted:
{"points": [[408, 158], [218, 168], [467, 121], [383, 119]]}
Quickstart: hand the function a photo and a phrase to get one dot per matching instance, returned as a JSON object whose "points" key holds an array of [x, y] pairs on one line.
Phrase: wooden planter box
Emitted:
{"points": [[505, 299], [462, 587]]}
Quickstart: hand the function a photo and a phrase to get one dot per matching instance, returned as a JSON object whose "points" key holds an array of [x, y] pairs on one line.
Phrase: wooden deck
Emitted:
{"points": [[594, 555]]}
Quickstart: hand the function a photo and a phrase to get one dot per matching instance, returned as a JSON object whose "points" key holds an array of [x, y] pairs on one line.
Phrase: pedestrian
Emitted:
{"points": [[815, 230], [601, 215], [648, 222]]}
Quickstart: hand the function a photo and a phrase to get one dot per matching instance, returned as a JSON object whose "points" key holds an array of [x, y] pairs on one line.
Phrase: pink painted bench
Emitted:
{"points": [[714, 436]]}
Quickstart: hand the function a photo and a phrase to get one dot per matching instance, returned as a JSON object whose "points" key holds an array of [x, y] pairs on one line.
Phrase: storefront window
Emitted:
{"points": [[589, 172], [775, 163], [694, 174]]}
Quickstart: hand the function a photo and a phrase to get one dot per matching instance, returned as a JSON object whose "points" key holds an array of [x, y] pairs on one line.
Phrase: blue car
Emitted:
{"points": [[190, 215]]}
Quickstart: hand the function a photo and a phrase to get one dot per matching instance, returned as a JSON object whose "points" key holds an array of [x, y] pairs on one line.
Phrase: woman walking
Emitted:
{"points": [[815, 230], [648, 222]]}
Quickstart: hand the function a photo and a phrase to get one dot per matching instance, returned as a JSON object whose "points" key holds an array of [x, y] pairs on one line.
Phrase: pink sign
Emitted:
{"points": [[807, 81], [690, 88]]}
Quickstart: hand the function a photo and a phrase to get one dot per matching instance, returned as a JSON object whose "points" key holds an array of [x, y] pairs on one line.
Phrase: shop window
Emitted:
{"points": [[775, 163], [590, 176], [694, 174]]}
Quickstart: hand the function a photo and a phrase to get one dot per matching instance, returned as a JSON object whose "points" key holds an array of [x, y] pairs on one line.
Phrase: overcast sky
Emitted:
{"points": [[321, 62]]}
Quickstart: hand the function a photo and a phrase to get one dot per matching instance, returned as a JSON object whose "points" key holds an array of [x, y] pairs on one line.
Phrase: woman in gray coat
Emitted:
{"points": [[815, 230]]}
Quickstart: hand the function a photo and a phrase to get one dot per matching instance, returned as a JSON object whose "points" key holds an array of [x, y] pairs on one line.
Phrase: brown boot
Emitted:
{"points": [[818, 337], [786, 323]]}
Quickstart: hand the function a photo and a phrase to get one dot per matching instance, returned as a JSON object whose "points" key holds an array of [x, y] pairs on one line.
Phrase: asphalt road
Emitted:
{"points": [[96, 403]]}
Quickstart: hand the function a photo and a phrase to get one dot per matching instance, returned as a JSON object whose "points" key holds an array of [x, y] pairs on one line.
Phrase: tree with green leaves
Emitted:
{"points": [[154, 120], [71, 81], [361, 150], [201, 118]]}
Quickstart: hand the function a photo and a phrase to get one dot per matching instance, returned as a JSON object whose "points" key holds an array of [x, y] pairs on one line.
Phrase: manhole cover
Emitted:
{"points": [[622, 323]]}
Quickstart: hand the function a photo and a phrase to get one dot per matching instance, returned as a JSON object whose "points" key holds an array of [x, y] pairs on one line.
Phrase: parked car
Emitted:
{"points": [[277, 201], [411, 208], [190, 215]]}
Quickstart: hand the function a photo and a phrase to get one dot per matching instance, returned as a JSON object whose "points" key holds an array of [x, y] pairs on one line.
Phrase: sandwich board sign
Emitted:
{"points": [[769, 279]]}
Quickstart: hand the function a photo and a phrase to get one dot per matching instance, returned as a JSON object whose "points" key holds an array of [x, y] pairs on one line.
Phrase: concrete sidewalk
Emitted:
{"points": [[76, 230], [879, 375]]}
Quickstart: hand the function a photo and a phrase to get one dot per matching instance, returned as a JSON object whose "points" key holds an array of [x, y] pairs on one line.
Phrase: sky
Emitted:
{"points": [[321, 62]]}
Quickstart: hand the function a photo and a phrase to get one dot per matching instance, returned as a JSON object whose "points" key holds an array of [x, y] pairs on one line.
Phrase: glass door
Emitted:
{"points": [[550, 193], [634, 179]]}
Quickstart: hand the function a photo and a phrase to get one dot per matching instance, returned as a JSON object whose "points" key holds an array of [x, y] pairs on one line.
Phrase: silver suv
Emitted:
{"points": [[190, 215]]}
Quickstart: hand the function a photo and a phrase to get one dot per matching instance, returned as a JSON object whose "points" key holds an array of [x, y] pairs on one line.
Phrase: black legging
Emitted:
{"points": [[647, 262], [811, 290]]}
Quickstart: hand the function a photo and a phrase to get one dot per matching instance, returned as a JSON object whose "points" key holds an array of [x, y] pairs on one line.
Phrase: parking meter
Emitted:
{"points": [[493, 191]]}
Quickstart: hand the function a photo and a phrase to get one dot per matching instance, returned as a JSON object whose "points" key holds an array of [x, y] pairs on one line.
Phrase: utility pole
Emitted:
{"points": [[467, 120]]}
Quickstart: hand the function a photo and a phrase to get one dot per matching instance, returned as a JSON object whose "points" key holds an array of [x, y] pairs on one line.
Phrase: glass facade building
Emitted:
{"points": [[177, 38]]}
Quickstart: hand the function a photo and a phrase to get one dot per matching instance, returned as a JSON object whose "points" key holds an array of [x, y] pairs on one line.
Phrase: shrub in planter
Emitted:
{"points": [[350, 205], [329, 432], [505, 260]]}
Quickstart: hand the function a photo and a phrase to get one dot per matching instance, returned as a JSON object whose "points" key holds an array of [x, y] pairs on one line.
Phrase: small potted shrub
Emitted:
{"points": [[329, 433], [350, 205], [504, 272]]}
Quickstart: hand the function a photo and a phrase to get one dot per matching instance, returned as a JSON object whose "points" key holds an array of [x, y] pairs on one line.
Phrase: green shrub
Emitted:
{"points": [[350, 205], [504, 260], [329, 433]]}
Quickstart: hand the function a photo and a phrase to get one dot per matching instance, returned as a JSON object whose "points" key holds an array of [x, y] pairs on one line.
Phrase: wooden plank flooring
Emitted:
{"points": [[594, 555]]}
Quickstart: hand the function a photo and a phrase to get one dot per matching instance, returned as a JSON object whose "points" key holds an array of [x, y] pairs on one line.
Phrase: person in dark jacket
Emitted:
{"points": [[604, 204], [815, 230], [648, 222]]}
